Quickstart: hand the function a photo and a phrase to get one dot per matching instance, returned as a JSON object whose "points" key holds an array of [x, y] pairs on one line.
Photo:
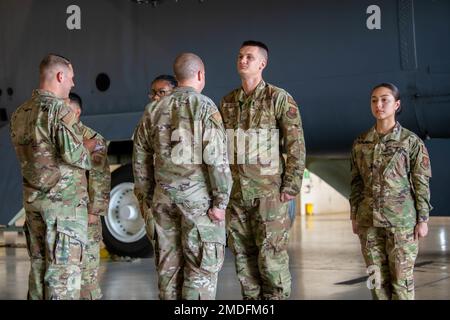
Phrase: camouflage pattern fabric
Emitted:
{"points": [[99, 187], [180, 146], [257, 223], [55, 254], [149, 221], [268, 110], [390, 179], [90, 287], [34, 229], [390, 194], [49, 145], [393, 252], [258, 235], [99, 182], [181, 169], [189, 250]]}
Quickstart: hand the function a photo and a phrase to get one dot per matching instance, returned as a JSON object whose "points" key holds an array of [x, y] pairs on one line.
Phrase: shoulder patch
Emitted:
{"points": [[425, 163], [292, 113]]}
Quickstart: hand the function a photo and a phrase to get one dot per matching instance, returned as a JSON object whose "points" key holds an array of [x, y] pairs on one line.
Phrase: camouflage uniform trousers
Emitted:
{"points": [[392, 251], [55, 256], [150, 229], [189, 251], [258, 235], [90, 288]]}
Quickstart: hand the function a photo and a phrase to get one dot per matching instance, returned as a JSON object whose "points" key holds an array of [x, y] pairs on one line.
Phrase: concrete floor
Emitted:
{"points": [[325, 263]]}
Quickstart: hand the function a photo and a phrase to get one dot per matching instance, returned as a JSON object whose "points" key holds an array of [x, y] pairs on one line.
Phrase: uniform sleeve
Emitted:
{"points": [[215, 156], [143, 166], [290, 123], [69, 139], [356, 185], [99, 182], [420, 179]]}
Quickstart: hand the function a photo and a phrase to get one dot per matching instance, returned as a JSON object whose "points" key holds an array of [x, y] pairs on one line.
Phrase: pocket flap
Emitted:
{"points": [[73, 222], [212, 233]]}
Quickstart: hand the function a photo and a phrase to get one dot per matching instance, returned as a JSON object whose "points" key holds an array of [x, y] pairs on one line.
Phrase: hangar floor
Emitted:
{"points": [[325, 263]]}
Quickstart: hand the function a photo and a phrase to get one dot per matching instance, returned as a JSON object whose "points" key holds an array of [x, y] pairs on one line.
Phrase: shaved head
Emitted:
{"points": [[51, 64], [56, 75], [187, 66]]}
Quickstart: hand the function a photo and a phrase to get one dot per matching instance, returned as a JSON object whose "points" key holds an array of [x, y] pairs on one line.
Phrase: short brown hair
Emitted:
{"points": [[262, 46], [51, 60]]}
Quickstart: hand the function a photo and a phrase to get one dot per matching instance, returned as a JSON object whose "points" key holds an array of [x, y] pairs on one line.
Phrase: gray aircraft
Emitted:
{"points": [[327, 54]]}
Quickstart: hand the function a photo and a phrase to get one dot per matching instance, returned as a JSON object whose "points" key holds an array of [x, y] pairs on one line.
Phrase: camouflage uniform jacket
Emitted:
{"points": [[173, 151], [266, 111], [49, 145], [390, 179], [99, 178]]}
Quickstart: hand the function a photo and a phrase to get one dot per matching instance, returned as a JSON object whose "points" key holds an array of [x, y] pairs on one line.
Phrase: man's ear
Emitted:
{"points": [[59, 76], [200, 75], [263, 64]]}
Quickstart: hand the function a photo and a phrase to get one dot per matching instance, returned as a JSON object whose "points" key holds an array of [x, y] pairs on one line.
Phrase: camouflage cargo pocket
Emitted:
{"points": [[213, 247], [213, 255], [72, 221], [272, 209], [277, 235], [405, 250], [67, 250]]}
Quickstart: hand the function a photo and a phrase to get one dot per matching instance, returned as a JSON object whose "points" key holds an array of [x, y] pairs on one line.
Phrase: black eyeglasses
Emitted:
{"points": [[160, 93]]}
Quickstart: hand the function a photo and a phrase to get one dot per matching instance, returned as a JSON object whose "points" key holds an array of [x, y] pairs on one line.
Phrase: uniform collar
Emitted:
{"points": [[184, 89], [258, 93], [394, 134], [37, 93]]}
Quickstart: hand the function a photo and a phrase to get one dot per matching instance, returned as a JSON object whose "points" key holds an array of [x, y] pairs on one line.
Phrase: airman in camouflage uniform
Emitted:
{"points": [[181, 172], [390, 198], [257, 217], [49, 146], [160, 87], [99, 187]]}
